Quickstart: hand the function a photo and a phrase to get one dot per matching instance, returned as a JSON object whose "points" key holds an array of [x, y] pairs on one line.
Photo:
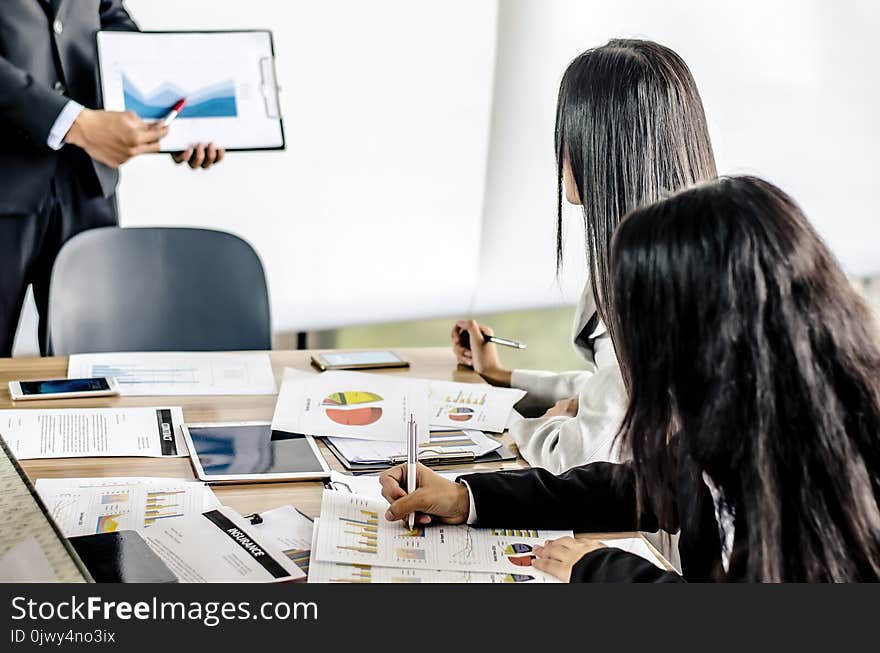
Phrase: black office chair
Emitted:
{"points": [[157, 289]]}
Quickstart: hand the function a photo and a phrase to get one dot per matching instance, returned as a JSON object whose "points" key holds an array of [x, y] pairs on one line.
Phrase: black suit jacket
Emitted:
{"points": [[601, 497], [40, 70]]}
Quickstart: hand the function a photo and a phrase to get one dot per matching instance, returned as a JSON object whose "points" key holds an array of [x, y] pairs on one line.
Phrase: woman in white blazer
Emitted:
{"points": [[630, 128]]}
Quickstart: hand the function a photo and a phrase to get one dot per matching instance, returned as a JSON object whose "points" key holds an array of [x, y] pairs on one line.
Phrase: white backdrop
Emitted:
{"points": [[419, 177], [791, 94], [373, 212]]}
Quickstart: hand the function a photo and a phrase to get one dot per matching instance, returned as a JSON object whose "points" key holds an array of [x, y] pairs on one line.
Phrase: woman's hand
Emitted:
{"points": [[558, 557], [564, 408], [435, 499], [481, 356]]}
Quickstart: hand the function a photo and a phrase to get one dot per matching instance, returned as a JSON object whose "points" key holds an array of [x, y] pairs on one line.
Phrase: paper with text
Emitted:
{"points": [[85, 506], [90, 432], [342, 572], [351, 405], [219, 547], [354, 530]]}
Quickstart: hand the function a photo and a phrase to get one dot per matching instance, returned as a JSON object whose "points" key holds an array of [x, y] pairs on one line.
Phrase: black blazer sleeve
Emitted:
{"points": [[114, 17], [26, 104], [615, 566], [593, 498]]}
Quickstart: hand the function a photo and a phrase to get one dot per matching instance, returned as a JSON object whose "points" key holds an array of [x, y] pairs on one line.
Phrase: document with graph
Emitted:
{"points": [[180, 373], [439, 444], [353, 530], [220, 546], [472, 405], [85, 506], [90, 432], [346, 572], [227, 80], [351, 405]]}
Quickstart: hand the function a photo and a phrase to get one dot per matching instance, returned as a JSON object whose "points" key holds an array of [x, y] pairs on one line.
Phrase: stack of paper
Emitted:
{"points": [[368, 484], [352, 532], [84, 506], [439, 443]]}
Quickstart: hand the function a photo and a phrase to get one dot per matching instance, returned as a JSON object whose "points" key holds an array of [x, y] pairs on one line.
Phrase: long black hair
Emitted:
{"points": [[763, 364], [630, 122]]}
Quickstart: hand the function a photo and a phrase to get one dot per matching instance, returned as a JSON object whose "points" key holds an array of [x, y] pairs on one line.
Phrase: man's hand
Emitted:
{"points": [[564, 408], [200, 156], [114, 137], [481, 356], [435, 498], [558, 557]]}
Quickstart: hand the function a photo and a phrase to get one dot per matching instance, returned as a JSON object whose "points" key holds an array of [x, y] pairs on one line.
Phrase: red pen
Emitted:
{"points": [[175, 111]]}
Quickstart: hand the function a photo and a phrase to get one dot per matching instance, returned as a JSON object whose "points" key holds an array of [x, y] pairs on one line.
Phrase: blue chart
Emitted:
{"points": [[214, 101]]}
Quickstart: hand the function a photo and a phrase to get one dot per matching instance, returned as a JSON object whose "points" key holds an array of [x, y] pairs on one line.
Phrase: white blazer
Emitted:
{"points": [[560, 443]]}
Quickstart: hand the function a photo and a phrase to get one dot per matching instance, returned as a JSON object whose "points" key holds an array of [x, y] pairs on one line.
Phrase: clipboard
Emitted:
{"points": [[227, 77], [498, 455], [31, 533]]}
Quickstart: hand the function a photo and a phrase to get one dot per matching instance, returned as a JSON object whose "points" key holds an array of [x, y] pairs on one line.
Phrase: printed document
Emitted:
{"points": [[90, 432], [219, 546], [289, 530], [351, 405], [439, 443], [472, 405], [354, 530], [84, 506], [343, 572], [180, 373]]}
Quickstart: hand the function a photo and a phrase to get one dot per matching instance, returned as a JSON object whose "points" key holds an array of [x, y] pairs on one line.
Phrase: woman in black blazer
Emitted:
{"points": [[753, 414]]}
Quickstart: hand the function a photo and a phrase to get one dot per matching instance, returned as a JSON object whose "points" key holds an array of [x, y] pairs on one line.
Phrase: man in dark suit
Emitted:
{"points": [[58, 150]]}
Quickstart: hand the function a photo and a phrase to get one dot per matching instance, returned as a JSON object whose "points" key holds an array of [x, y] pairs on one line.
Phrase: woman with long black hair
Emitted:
{"points": [[630, 127], [753, 413]]}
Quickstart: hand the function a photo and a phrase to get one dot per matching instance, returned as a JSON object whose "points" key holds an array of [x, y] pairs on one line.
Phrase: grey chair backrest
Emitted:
{"points": [[157, 289]]}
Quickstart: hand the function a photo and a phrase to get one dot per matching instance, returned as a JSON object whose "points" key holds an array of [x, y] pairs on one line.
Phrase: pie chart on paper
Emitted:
{"points": [[353, 407], [461, 413]]}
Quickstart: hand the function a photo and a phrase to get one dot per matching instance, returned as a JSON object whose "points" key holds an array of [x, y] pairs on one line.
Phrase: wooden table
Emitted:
{"points": [[428, 362]]}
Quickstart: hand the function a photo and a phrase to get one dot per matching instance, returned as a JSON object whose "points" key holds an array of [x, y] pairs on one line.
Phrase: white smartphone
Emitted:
{"points": [[357, 360], [63, 388]]}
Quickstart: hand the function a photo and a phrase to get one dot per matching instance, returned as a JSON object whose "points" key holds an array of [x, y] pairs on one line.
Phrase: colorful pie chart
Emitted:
{"points": [[348, 409], [460, 414]]}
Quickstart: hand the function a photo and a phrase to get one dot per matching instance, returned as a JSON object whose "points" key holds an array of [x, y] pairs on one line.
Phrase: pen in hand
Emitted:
{"points": [[465, 339], [412, 458]]}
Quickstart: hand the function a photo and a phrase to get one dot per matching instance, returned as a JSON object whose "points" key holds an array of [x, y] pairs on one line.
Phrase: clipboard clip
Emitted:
{"points": [[269, 87], [438, 458]]}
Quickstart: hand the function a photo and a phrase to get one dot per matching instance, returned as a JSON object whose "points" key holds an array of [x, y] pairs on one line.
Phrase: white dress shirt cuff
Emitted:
{"points": [[63, 123], [472, 508]]}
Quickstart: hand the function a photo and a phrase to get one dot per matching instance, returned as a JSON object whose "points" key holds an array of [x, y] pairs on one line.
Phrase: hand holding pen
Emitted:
{"points": [[474, 346]]}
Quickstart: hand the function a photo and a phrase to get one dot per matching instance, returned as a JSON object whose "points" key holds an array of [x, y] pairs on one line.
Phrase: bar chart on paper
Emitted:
{"points": [[83, 506], [179, 373], [361, 531], [163, 504], [464, 405]]}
